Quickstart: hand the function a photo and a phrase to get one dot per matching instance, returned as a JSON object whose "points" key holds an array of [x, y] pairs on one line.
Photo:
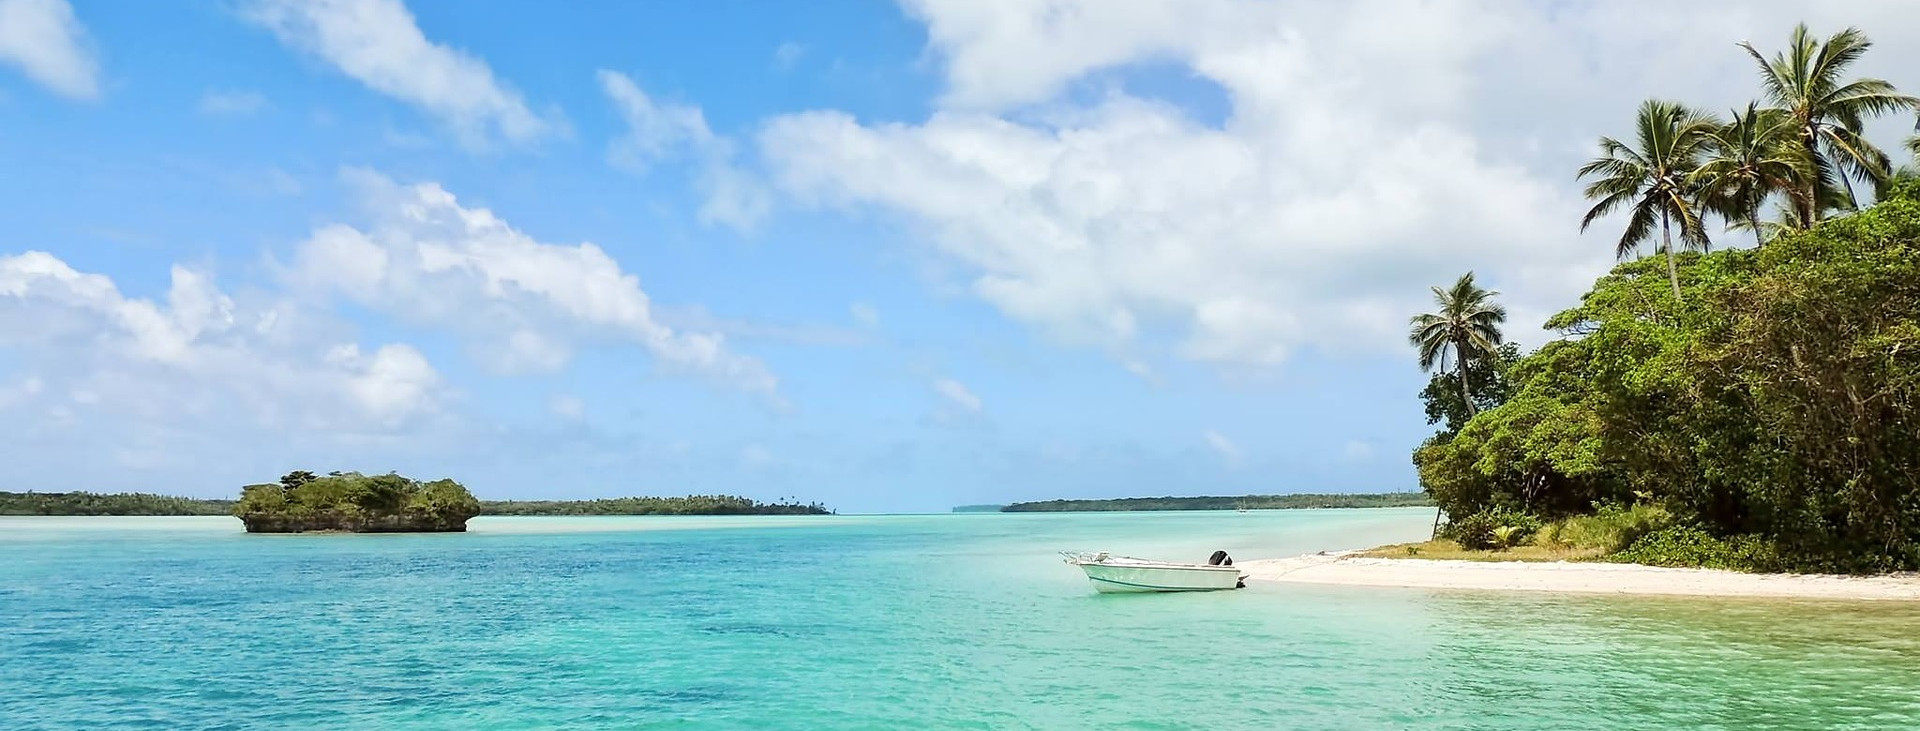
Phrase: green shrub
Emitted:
{"points": [[1611, 528], [1493, 528], [1687, 546]]}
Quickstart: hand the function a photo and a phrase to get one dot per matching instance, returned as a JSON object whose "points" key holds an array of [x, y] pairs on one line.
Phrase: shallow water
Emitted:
{"points": [[951, 621]]}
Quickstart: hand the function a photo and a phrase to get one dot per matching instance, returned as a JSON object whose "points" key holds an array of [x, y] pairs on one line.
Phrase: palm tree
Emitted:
{"points": [[1655, 178], [1748, 160], [1467, 326], [1828, 113]]}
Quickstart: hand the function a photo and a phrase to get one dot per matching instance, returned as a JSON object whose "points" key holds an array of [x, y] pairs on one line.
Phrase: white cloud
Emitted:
{"points": [[958, 394], [1356, 450], [654, 129], [1228, 451], [1141, 370], [659, 131], [524, 303], [198, 357], [698, 317], [231, 103], [48, 44], [1370, 150], [377, 43]]}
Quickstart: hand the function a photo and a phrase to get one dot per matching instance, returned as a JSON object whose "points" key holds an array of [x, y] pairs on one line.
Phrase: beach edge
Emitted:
{"points": [[1347, 568]]}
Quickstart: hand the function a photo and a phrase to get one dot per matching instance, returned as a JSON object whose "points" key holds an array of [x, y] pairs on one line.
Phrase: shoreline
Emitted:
{"points": [[1344, 568]]}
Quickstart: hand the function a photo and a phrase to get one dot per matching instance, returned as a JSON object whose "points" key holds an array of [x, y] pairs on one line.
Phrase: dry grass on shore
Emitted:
{"points": [[1444, 549]]}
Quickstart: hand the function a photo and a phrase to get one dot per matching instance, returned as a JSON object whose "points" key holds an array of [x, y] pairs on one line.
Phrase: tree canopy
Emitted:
{"points": [[351, 501], [1778, 399]]}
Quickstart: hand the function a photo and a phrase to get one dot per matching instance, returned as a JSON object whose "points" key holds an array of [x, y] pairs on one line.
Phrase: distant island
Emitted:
{"points": [[356, 503], [690, 505], [979, 508], [1244, 502], [122, 503]]}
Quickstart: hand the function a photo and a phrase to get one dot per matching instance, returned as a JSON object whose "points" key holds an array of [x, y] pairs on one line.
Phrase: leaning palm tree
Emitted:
{"points": [[1747, 161], [1654, 177], [1828, 112], [1466, 326]]}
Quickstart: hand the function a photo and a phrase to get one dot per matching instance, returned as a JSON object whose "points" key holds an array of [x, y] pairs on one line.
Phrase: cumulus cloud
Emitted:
{"points": [[1369, 150], [659, 131], [199, 355], [47, 43], [524, 303], [377, 43]]}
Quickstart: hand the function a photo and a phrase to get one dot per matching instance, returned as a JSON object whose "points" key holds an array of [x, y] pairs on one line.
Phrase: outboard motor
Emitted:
{"points": [[1220, 558]]}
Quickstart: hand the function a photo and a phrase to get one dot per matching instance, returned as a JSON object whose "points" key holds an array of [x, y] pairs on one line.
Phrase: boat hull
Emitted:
{"points": [[1133, 579]]}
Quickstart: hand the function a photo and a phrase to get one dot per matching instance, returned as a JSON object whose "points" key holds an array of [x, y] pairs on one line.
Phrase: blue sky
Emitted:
{"points": [[886, 257]]}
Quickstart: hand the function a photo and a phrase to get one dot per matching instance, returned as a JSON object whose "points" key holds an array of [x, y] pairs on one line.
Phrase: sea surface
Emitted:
{"points": [[963, 621]]}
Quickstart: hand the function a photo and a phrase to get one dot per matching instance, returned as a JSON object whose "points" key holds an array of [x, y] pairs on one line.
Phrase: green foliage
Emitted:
{"points": [[1491, 387], [1245, 502], [1465, 328], [1685, 545], [1492, 528], [1609, 529], [690, 505], [1778, 399], [1653, 180], [89, 503], [1807, 85], [1748, 161], [352, 501]]}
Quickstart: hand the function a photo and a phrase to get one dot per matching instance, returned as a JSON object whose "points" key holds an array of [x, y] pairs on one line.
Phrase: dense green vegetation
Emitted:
{"points": [[1755, 408], [350, 501], [123, 503], [690, 505], [1244, 502]]}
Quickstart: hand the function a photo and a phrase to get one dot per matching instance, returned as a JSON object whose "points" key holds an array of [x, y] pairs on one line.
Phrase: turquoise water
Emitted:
{"points": [[962, 621]]}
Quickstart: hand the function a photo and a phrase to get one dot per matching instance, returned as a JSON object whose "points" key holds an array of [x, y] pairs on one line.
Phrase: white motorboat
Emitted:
{"points": [[1121, 574]]}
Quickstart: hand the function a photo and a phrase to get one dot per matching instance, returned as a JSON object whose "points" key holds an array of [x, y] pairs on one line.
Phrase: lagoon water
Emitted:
{"points": [[853, 622]]}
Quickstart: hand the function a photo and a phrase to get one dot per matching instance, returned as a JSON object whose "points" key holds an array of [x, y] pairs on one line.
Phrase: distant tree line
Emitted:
{"points": [[1244, 502], [305, 494], [689, 505], [93, 503]]}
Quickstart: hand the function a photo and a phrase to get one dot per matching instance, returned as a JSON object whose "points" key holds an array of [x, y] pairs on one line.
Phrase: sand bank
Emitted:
{"points": [[1588, 578]]}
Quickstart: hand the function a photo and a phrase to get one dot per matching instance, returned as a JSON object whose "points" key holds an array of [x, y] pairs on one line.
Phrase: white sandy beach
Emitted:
{"points": [[1589, 578]]}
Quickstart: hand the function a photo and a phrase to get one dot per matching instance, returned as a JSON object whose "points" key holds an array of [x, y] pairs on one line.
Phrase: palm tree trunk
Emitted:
{"points": [[1753, 219], [1666, 240], [1466, 389], [1809, 144]]}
